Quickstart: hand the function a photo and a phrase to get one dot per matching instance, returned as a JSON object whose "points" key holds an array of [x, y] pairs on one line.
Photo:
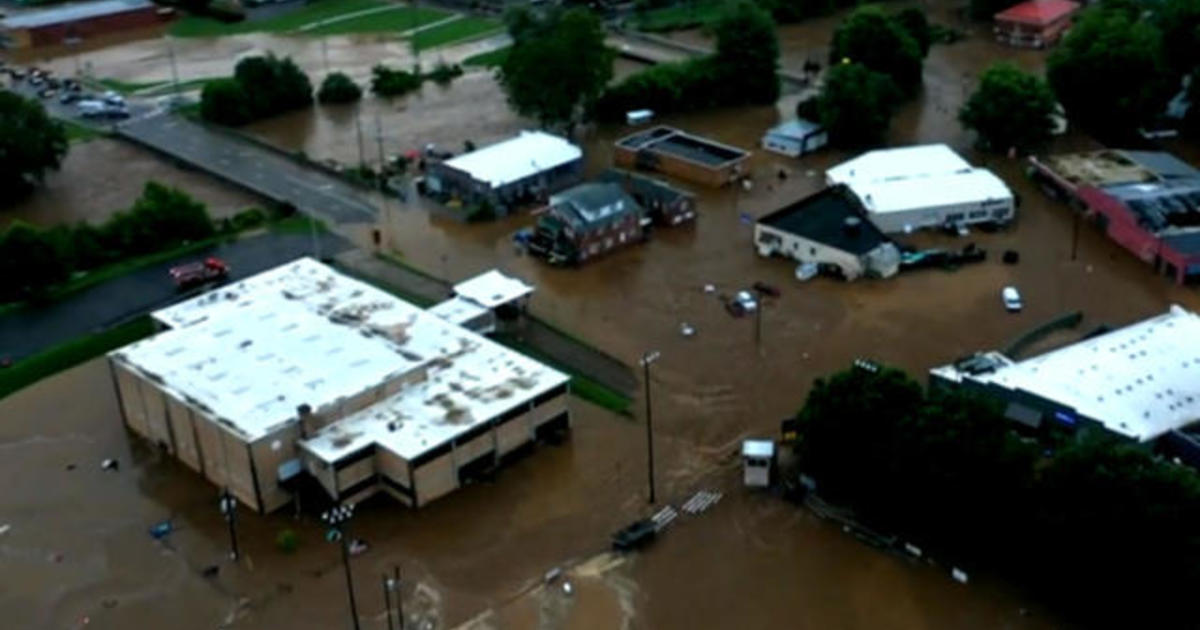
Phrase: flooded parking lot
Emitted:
{"points": [[78, 537]]}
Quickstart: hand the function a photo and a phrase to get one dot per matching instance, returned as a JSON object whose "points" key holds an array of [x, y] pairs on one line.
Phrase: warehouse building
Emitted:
{"points": [[63, 24], [1141, 382], [828, 229], [673, 152], [927, 186], [301, 373], [1036, 23], [504, 175], [1148, 202]]}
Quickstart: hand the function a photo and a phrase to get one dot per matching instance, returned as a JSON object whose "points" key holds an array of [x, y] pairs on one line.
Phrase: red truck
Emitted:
{"points": [[198, 273]]}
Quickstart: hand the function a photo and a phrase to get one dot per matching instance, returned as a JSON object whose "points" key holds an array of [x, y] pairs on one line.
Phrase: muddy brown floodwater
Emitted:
{"points": [[78, 544], [103, 176]]}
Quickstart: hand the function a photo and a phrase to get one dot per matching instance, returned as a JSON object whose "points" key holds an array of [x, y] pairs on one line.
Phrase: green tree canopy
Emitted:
{"points": [[1179, 21], [1108, 71], [558, 64], [273, 85], [916, 24], [748, 52], [29, 262], [224, 102], [870, 37], [1010, 108], [338, 88], [856, 105], [30, 144]]}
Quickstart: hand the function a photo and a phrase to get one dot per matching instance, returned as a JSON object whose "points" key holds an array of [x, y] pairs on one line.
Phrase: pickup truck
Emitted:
{"points": [[201, 272]]}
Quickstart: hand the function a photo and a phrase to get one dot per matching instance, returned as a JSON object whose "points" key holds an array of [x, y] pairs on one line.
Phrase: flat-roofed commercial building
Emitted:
{"points": [[68, 23], [673, 152], [910, 188], [300, 370], [1141, 382]]}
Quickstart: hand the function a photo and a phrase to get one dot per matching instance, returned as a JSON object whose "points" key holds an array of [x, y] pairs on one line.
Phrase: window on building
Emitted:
{"points": [[951, 218], [979, 214]]}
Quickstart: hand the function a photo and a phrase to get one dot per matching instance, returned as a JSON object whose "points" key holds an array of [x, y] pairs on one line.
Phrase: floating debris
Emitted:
{"points": [[701, 501]]}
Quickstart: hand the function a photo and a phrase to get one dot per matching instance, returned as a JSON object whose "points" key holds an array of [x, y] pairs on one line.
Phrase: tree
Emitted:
{"points": [[856, 105], [747, 54], [1108, 71], [1010, 108], [29, 262], [30, 144], [338, 88], [273, 85], [914, 22], [870, 37], [558, 64], [223, 101], [848, 428], [162, 217], [1179, 21], [1191, 124], [388, 82]]}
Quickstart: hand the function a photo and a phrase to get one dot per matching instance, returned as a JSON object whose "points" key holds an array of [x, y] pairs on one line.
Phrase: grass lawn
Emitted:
{"points": [[581, 385], [491, 59], [401, 18], [69, 354], [297, 224], [678, 16], [193, 26], [458, 30], [80, 133]]}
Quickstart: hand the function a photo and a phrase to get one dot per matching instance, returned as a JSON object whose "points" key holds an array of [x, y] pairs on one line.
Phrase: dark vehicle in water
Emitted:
{"points": [[635, 535]]}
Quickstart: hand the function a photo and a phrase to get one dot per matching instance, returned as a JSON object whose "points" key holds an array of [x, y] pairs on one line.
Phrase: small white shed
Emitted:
{"points": [[758, 462], [795, 138]]}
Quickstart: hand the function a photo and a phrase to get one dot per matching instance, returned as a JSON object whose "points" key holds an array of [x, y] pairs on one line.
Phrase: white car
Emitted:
{"points": [[747, 301], [1011, 298]]}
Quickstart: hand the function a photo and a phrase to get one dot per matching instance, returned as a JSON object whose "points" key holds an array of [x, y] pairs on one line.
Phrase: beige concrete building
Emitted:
{"points": [[303, 371]]}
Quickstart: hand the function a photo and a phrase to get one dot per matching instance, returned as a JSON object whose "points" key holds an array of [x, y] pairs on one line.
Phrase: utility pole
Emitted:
{"points": [[228, 507], [387, 600], [174, 70], [399, 599], [337, 518], [647, 359], [1074, 233], [316, 241], [362, 158], [379, 141]]}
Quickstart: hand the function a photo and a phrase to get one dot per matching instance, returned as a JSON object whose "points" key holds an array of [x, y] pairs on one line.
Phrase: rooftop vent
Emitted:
{"points": [[852, 226]]}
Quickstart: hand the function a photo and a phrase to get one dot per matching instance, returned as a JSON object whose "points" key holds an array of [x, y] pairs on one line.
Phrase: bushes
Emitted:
{"points": [[261, 87], [443, 74], [338, 88], [287, 541], [32, 260], [388, 82], [743, 71]]}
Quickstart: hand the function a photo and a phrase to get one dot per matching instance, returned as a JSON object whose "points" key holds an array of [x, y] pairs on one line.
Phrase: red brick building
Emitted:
{"points": [[80, 21], [1034, 24]]}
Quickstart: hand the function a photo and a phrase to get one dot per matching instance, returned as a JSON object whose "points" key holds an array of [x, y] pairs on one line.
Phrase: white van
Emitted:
{"points": [[639, 116]]}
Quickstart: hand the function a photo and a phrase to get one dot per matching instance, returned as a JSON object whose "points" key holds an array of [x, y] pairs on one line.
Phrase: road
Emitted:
{"points": [[261, 170], [34, 329]]}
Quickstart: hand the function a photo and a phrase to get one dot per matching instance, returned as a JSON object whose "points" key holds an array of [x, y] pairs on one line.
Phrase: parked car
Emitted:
{"points": [[68, 97], [199, 273], [112, 98], [746, 300], [1011, 298]]}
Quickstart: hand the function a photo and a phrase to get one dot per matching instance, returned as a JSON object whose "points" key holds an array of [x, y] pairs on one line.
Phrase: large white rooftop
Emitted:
{"points": [[900, 163], [1140, 381], [252, 352], [899, 195], [514, 159]]}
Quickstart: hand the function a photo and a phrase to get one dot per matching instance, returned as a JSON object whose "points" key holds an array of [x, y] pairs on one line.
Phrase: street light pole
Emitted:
{"points": [[174, 70], [229, 508], [647, 359], [337, 519]]}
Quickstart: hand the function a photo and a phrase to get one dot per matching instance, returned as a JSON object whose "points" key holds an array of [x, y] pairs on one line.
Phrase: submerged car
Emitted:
{"points": [[1011, 298]]}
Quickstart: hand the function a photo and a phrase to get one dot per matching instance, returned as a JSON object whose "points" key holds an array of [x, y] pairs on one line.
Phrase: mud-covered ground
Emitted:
{"points": [[478, 555]]}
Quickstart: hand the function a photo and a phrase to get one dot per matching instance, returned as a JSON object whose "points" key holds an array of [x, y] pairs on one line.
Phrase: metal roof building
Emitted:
{"points": [[1141, 381], [300, 368], [58, 25]]}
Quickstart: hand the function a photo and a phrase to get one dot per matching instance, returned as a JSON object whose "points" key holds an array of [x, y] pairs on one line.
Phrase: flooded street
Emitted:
{"points": [[79, 548], [103, 176]]}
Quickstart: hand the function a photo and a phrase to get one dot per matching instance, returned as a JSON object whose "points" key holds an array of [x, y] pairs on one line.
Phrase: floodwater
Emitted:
{"points": [[475, 559], [103, 176]]}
